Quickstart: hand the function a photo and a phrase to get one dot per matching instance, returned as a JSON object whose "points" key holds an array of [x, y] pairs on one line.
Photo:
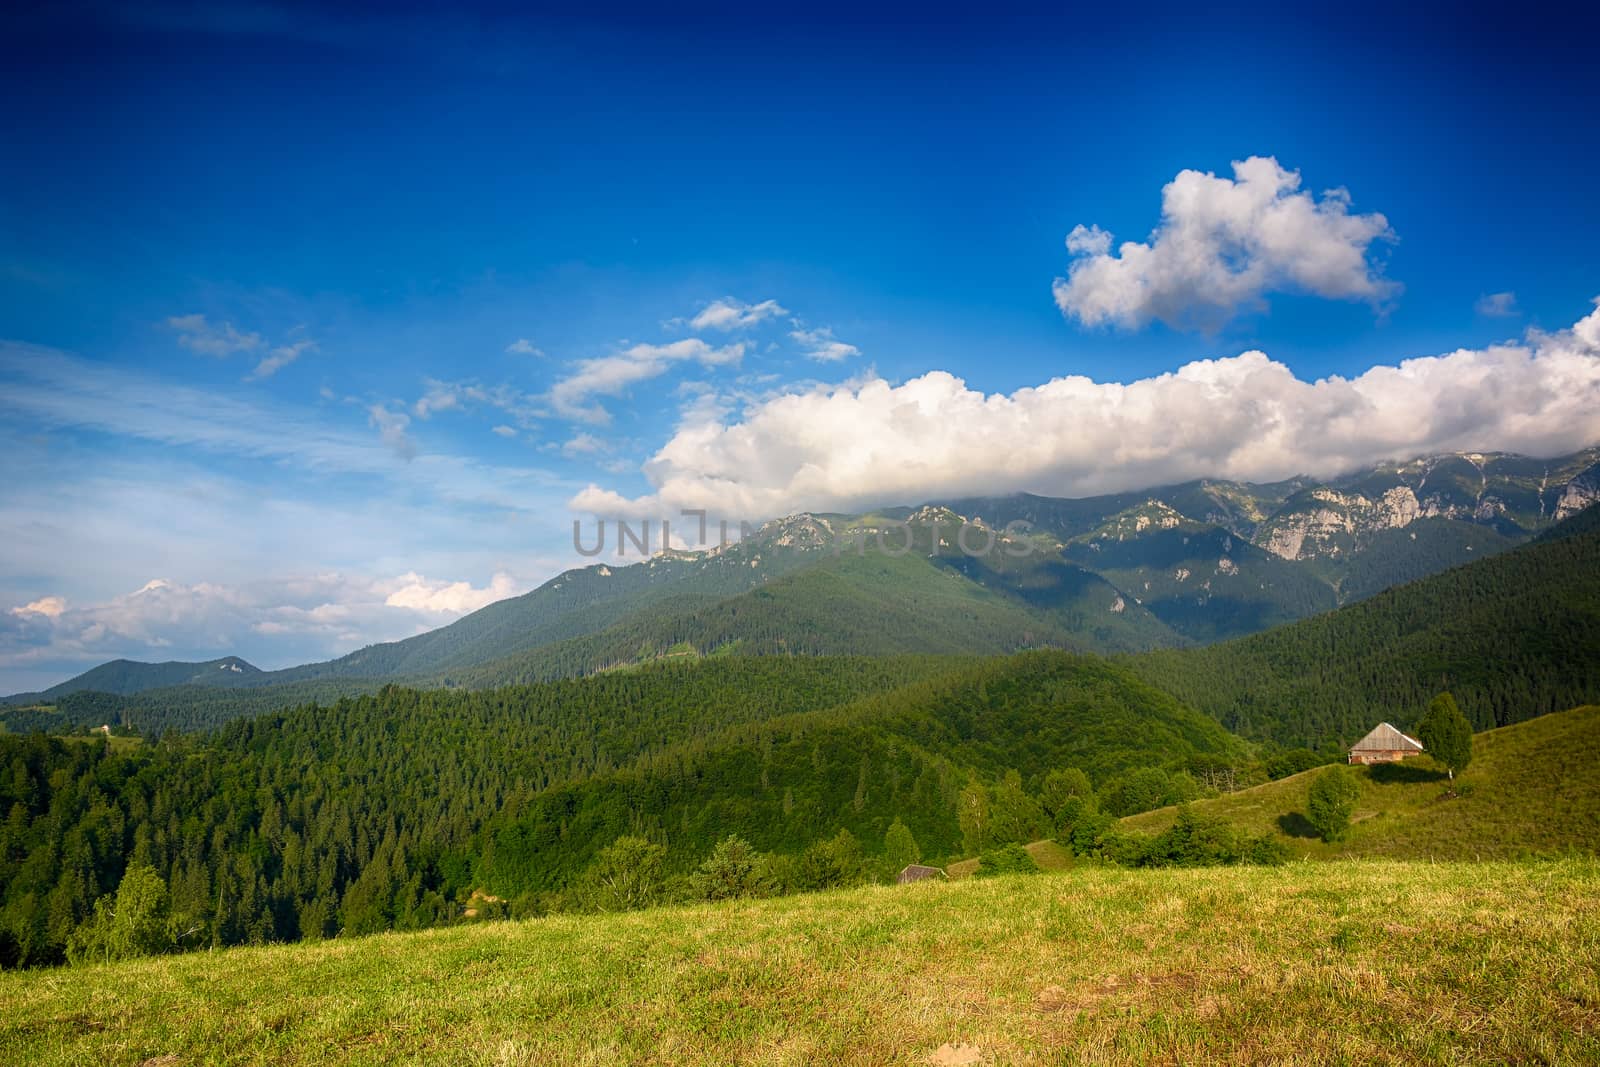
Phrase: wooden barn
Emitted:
{"points": [[1385, 744], [916, 872]]}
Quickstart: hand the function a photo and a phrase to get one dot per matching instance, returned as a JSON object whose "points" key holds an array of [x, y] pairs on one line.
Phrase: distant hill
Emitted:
{"points": [[124, 676], [1513, 637], [1532, 788], [865, 605]]}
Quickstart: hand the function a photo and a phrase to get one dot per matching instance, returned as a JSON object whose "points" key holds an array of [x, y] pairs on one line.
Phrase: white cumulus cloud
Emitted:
{"points": [[523, 347], [1244, 417], [449, 598], [48, 606], [1221, 245]]}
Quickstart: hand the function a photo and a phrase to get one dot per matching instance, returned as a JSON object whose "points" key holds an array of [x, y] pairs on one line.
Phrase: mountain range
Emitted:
{"points": [[1168, 567]]}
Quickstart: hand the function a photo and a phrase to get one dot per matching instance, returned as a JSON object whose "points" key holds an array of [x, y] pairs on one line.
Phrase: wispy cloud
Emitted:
{"points": [[280, 358], [56, 391], [820, 345], [584, 444], [523, 408], [198, 335], [729, 314], [391, 427], [272, 621], [610, 375], [523, 347], [1497, 305]]}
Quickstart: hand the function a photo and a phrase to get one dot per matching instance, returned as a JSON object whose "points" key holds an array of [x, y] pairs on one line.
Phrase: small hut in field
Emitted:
{"points": [[916, 872], [1385, 744]]}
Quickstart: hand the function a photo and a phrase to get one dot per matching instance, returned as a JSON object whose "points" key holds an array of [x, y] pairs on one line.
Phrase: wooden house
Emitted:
{"points": [[1385, 744], [916, 872]]}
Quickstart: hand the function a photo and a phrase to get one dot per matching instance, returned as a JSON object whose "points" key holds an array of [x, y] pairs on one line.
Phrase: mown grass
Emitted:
{"points": [[1369, 962], [1532, 788]]}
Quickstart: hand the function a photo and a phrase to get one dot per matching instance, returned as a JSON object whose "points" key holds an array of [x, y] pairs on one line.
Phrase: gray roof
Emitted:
{"points": [[1386, 738]]}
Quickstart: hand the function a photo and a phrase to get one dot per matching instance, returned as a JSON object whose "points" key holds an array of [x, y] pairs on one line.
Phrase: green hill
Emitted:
{"points": [[1532, 788], [1312, 963], [907, 754], [871, 604]]}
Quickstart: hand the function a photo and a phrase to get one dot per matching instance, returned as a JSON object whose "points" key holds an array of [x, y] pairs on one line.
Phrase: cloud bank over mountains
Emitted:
{"points": [[1245, 417]]}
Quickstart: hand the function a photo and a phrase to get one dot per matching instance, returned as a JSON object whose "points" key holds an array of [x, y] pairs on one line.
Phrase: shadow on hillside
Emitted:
{"points": [[1404, 773], [1296, 825]]}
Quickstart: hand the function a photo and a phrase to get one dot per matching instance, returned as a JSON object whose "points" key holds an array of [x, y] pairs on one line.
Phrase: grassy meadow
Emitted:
{"points": [[1358, 961], [1533, 788]]}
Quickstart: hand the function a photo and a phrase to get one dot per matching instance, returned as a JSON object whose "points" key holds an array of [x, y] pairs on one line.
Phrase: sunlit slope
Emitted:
{"points": [[1532, 788], [1312, 963]]}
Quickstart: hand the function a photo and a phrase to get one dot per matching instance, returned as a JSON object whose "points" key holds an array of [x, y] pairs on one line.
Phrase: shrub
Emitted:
{"points": [[1331, 802], [133, 923], [1292, 761], [830, 864], [733, 869], [627, 874], [1007, 859]]}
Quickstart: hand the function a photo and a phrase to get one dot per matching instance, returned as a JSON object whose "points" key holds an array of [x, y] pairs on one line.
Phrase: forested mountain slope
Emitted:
{"points": [[123, 677], [390, 809], [1512, 637], [872, 604]]}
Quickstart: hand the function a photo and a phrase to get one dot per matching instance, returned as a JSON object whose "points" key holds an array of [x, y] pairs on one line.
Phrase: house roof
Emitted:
{"points": [[1386, 738]]}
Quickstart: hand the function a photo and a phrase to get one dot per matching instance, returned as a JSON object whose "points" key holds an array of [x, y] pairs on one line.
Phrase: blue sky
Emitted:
{"points": [[264, 270]]}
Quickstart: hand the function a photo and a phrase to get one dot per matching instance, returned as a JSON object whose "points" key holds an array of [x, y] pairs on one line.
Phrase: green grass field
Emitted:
{"points": [[1348, 962], [1533, 788]]}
